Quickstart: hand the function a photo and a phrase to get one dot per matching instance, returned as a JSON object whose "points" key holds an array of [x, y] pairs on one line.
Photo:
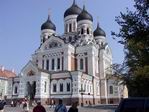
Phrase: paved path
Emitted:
{"points": [[81, 109]]}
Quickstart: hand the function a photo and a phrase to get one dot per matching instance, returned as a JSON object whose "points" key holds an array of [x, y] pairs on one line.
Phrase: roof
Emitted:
{"points": [[7, 73], [48, 25], [84, 15], [99, 31], [73, 10]]}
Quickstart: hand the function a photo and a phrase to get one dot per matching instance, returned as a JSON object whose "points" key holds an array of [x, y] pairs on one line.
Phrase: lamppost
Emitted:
{"points": [[82, 92]]}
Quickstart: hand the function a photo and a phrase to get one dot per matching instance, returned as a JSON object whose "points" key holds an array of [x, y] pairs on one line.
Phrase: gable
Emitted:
{"points": [[52, 42], [29, 69]]}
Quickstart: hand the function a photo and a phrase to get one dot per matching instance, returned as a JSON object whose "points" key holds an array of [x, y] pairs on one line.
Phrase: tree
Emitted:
{"points": [[134, 35]]}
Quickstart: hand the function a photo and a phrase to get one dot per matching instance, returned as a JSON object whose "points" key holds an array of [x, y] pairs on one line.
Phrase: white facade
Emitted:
{"points": [[65, 65]]}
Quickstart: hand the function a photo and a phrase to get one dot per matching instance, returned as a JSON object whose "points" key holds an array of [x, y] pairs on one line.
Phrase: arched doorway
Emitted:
{"points": [[31, 90]]}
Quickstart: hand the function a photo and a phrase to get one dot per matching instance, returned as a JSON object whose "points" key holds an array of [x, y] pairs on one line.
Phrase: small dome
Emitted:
{"points": [[84, 15], [73, 10], [48, 25], [99, 32]]}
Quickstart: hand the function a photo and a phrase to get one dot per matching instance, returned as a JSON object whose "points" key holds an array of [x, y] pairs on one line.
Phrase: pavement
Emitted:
{"points": [[97, 108]]}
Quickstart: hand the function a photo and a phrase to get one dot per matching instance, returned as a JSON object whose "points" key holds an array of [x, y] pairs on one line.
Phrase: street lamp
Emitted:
{"points": [[82, 92]]}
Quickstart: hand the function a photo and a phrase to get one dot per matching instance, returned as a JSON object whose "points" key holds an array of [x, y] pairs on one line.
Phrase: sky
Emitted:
{"points": [[21, 20]]}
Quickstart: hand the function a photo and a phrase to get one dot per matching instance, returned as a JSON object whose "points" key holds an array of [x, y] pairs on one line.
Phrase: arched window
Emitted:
{"points": [[68, 87], [82, 31], [61, 87], [16, 90], [111, 89], [66, 28], [88, 32], [81, 64], [45, 87], [58, 63], [53, 64], [70, 39], [70, 28], [74, 26], [54, 87], [47, 64], [42, 64]]}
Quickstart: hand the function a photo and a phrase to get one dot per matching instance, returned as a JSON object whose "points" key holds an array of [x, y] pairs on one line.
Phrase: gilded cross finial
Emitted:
{"points": [[49, 13], [74, 2], [97, 21]]}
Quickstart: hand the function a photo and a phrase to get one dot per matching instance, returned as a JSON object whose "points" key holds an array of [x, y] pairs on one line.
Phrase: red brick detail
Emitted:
{"points": [[72, 63]]}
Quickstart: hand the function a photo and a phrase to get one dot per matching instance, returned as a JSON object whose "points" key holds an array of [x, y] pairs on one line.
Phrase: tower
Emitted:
{"points": [[70, 18], [99, 35], [47, 29], [70, 22], [85, 26]]}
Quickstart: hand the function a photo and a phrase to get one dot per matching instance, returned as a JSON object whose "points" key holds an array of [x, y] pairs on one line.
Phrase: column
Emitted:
{"points": [[91, 61], [67, 61], [106, 91]]}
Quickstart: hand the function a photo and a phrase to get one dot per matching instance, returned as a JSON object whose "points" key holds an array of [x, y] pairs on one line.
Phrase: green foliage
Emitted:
{"points": [[134, 35]]}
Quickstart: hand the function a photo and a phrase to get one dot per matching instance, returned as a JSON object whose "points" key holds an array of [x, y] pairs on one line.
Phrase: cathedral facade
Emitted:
{"points": [[72, 66]]}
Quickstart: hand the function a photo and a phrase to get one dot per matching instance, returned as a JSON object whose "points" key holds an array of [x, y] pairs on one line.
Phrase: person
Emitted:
{"points": [[52, 103], [60, 107], [34, 103], [12, 103], [73, 108], [2, 104], [24, 104], [39, 108], [27, 106]]}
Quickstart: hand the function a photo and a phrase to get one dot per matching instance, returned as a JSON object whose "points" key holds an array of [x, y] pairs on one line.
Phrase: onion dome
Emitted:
{"points": [[48, 25], [99, 31], [84, 15], [73, 10]]}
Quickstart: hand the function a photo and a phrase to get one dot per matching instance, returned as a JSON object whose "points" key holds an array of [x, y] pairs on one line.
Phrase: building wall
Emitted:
{"points": [[3, 87]]}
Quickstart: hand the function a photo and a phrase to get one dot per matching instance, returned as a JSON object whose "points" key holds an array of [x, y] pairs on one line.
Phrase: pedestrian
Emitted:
{"points": [[27, 106], [2, 104], [12, 103], [34, 103], [39, 108], [52, 103], [60, 107], [73, 108], [24, 104]]}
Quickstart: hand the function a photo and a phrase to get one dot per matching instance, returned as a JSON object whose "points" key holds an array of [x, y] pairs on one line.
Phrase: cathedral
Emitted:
{"points": [[72, 66]]}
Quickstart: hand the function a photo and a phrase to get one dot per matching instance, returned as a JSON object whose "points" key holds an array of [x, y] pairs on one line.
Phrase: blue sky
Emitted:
{"points": [[20, 22]]}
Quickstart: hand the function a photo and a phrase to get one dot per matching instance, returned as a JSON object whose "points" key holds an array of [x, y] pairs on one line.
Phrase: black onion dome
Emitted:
{"points": [[73, 10], [48, 25], [99, 31], [84, 15]]}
